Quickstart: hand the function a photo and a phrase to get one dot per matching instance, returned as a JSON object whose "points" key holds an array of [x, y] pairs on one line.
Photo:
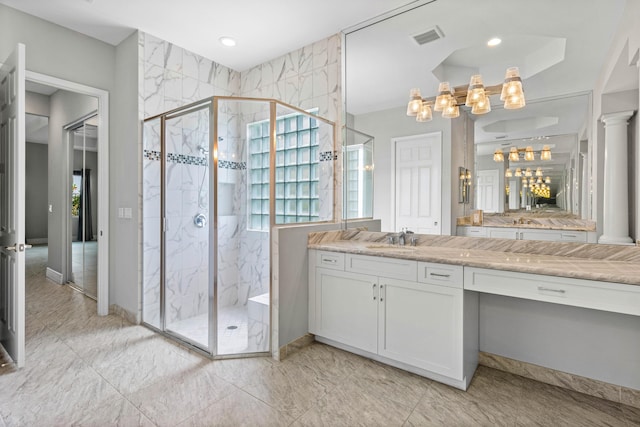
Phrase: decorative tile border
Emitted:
{"points": [[326, 156], [187, 160], [193, 160], [226, 164], [152, 155]]}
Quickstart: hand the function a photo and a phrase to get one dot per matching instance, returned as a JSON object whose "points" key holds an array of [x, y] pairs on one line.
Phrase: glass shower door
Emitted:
{"points": [[186, 206]]}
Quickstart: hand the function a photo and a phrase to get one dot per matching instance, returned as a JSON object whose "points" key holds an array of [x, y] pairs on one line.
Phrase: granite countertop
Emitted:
{"points": [[574, 260], [532, 221]]}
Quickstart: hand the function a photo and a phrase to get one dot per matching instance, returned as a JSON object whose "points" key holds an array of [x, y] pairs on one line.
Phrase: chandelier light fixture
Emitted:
{"points": [[528, 154], [475, 96]]}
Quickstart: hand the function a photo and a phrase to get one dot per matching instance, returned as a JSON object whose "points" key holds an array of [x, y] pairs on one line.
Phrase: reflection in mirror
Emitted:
{"points": [[464, 187], [430, 44], [358, 174], [539, 165]]}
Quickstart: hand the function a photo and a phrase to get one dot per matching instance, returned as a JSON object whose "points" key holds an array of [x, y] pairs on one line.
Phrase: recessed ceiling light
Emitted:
{"points": [[494, 42], [227, 41]]}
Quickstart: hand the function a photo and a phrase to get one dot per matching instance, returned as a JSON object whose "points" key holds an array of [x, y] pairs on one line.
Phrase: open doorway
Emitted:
{"points": [[87, 109]]}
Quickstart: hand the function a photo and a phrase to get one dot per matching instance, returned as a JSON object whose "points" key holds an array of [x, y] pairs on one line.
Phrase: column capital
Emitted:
{"points": [[616, 118]]}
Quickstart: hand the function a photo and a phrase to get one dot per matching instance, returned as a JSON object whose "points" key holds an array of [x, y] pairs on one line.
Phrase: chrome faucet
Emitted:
{"points": [[402, 237]]}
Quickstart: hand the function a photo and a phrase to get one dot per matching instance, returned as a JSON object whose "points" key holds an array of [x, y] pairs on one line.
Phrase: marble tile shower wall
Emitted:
{"points": [[172, 77]]}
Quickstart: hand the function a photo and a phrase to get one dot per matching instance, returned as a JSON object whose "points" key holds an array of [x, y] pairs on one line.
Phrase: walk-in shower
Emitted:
{"points": [[218, 175]]}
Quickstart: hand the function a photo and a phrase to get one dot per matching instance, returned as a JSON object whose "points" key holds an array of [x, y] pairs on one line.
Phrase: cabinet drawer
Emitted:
{"points": [[440, 274], [573, 236], [381, 266], [333, 260], [472, 231], [614, 297]]}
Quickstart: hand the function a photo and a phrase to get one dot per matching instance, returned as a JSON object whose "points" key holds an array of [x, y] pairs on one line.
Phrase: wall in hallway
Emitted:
{"points": [[36, 193]]}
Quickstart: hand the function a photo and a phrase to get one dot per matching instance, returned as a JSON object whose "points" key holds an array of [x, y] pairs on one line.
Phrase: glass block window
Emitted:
{"points": [[297, 157]]}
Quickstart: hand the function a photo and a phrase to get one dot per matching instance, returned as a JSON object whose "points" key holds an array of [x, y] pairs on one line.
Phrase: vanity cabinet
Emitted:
{"points": [[521, 233], [410, 314]]}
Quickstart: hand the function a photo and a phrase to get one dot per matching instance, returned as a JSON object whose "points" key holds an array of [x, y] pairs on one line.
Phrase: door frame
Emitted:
{"points": [[103, 178], [394, 143]]}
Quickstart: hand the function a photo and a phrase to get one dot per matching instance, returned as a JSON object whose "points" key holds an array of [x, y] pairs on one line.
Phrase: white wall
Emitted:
{"points": [[37, 104], [57, 51], [124, 180], [590, 343]]}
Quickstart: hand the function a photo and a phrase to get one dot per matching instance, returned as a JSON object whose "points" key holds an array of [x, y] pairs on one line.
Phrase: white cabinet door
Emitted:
{"points": [[347, 308], [421, 325]]}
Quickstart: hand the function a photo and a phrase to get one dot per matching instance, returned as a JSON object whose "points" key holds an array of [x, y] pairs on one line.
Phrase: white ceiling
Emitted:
{"points": [[264, 30]]}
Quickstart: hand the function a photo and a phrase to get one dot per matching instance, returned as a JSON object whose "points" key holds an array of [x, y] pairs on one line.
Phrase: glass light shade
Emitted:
{"points": [[528, 172], [508, 173], [513, 155], [524, 180], [528, 154], [547, 180], [512, 93], [425, 114], [415, 102], [512, 84], [482, 106], [531, 180], [452, 111], [498, 156], [539, 180], [468, 174], [514, 102], [475, 92], [539, 172], [518, 172], [444, 97], [545, 154], [524, 185]]}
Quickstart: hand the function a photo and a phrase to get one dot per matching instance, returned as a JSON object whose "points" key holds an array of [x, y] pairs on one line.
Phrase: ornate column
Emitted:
{"points": [[616, 188]]}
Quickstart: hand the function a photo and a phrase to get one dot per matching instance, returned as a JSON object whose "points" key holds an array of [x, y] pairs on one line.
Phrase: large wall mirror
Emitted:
{"points": [[559, 53]]}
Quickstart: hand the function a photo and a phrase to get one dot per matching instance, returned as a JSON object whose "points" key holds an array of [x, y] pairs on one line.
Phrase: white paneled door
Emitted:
{"points": [[488, 190], [12, 188], [418, 190]]}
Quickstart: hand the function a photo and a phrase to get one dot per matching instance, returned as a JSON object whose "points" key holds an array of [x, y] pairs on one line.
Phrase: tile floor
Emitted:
{"points": [[97, 371]]}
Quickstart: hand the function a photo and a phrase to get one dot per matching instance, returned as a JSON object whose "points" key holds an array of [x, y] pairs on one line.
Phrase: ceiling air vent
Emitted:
{"points": [[428, 36]]}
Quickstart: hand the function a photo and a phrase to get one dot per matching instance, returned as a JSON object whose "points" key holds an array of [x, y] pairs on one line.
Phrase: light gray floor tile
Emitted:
{"points": [[189, 391], [238, 409], [352, 405]]}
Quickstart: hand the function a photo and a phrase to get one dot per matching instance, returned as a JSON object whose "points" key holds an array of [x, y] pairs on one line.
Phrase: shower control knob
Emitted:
{"points": [[200, 220]]}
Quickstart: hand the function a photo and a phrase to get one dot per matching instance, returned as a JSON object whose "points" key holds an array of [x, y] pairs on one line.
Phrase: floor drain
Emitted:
{"points": [[232, 327]]}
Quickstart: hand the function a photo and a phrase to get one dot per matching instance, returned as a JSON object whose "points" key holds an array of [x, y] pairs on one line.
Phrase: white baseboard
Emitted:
{"points": [[38, 241], [55, 276]]}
